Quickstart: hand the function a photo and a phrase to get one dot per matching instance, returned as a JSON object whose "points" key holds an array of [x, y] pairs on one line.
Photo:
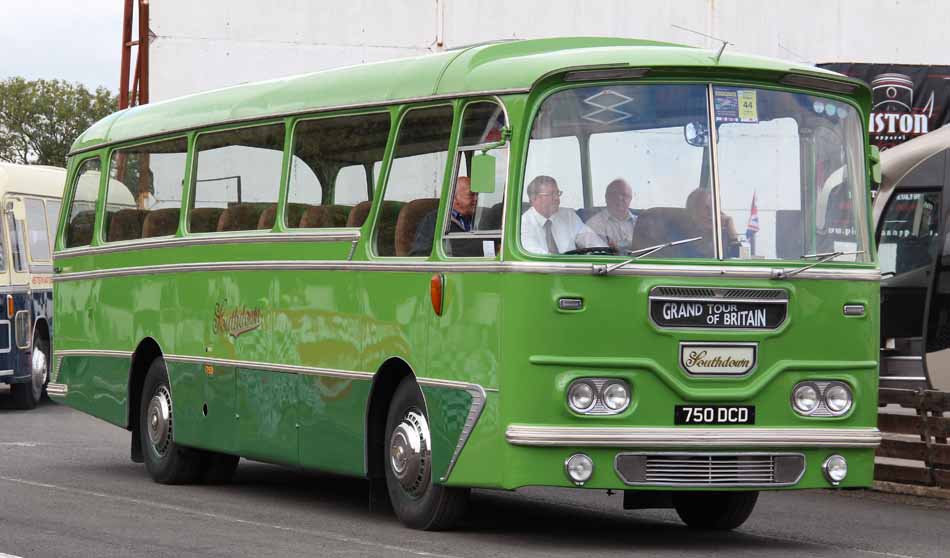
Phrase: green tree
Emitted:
{"points": [[40, 119]]}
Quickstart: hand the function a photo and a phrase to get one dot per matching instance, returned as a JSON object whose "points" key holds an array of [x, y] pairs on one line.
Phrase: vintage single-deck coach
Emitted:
{"points": [[580, 262], [30, 195]]}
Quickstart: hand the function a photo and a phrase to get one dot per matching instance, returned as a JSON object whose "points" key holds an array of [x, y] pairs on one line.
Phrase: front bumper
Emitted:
{"points": [[691, 438]]}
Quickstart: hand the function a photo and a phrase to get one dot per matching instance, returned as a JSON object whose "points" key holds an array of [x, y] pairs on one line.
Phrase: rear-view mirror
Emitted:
{"points": [[696, 134], [483, 174]]}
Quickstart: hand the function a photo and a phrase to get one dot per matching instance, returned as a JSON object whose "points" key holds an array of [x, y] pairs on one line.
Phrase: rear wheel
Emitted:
{"points": [[166, 461], [26, 395], [417, 501], [719, 511]]}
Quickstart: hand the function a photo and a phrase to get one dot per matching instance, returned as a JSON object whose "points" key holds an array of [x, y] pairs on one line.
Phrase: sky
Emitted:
{"points": [[72, 40]]}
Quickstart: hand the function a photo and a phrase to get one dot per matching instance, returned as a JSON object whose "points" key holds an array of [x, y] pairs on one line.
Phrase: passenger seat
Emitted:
{"points": [[408, 221]]}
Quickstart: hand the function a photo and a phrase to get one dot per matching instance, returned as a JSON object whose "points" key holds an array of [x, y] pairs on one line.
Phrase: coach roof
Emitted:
{"points": [[39, 180], [512, 66]]}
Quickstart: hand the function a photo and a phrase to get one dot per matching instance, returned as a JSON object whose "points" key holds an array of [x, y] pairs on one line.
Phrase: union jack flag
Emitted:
{"points": [[753, 226]]}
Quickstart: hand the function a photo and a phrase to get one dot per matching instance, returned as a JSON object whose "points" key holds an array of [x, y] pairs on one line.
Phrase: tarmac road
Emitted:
{"points": [[68, 488]]}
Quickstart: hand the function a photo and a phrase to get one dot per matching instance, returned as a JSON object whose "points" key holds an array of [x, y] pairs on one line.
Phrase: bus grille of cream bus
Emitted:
{"points": [[713, 469]]}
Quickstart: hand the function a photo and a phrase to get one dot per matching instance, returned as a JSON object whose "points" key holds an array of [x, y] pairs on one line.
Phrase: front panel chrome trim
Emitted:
{"points": [[479, 398], [57, 390], [464, 266], [4, 373], [905, 378], [685, 437], [305, 112], [712, 454], [205, 239]]}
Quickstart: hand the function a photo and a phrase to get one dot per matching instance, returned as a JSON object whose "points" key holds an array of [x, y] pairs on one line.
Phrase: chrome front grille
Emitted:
{"points": [[711, 469]]}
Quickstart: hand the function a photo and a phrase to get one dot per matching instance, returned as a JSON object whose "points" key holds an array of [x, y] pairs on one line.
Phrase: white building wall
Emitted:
{"points": [[215, 43]]}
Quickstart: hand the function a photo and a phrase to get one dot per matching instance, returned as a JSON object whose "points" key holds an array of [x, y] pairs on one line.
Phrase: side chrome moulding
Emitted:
{"points": [[643, 270], [559, 436]]}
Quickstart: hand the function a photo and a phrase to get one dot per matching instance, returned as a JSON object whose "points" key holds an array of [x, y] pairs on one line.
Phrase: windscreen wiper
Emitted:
{"points": [[822, 258], [641, 253]]}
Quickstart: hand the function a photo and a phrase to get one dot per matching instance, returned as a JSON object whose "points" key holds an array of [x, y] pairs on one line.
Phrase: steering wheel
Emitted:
{"points": [[597, 250]]}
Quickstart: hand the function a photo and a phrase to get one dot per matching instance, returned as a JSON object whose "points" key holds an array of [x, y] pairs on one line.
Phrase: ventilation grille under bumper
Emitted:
{"points": [[710, 469]]}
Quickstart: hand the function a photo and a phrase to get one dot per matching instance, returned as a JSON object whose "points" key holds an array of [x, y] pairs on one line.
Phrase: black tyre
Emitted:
{"points": [[417, 501], [166, 461], [217, 468], [26, 395], [720, 511]]}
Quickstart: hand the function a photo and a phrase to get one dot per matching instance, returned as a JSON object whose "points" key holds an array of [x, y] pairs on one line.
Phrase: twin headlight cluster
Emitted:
{"points": [[822, 398], [598, 396]]}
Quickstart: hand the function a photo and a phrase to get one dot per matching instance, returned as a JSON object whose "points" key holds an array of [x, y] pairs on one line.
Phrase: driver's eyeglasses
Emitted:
{"points": [[556, 194]]}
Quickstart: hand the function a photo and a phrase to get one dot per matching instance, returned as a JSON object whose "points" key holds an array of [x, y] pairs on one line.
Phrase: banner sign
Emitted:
{"points": [[908, 100]]}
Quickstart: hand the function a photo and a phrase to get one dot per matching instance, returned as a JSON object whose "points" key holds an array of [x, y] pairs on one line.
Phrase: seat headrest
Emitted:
{"points": [[161, 222], [408, 221]]}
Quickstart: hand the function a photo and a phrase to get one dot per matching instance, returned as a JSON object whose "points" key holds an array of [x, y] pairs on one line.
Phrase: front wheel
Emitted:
{"points": [[417, 501], [720, 511], [28, 394], [166, 461]]}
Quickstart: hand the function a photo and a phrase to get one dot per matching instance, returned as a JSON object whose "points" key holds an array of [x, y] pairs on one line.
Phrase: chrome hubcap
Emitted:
{"points": [[410, 453], [159, 420], [38, 371]]}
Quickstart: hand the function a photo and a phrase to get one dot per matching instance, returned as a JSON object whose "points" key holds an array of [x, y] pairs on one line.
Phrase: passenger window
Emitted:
{"points": [[144, 190], [82, 211], [237, 179], [328, 181], [52, 219], [411, 203], [473, 225], [36, 227], [17, 244]]}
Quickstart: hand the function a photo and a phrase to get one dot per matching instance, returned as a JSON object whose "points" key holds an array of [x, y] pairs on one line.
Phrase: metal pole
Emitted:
{"points": [[126, 54]]}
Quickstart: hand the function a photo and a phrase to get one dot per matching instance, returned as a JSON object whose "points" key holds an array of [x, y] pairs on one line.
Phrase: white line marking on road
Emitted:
{"points": [[20, 445], [2, 555], [170, 507]]}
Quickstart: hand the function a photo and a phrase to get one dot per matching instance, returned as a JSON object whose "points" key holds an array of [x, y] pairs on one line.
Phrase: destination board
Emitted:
{"points": [[717, 315]]}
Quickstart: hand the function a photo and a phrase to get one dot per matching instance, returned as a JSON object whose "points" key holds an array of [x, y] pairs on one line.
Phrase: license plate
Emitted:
{"points": [[714, 414]]}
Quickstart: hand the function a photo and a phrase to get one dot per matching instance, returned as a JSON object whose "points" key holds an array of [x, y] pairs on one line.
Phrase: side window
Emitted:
{"points": [[144, 190], [52, 219], [405, 224], [82, 211], [473, 224], [329, 186], [237, 179], [37, 230], [17, 242]]}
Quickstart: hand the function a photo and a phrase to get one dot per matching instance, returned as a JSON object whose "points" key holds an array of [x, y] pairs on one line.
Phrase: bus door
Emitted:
{"points": [[20, 322], [908, 243]]}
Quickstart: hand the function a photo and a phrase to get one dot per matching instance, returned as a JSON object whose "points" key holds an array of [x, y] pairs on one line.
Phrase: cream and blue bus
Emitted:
{"points": [[30, 195], [583, 262]]}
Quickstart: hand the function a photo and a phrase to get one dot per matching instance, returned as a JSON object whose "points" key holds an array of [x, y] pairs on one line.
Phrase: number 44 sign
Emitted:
{"points": [[748, 108]]}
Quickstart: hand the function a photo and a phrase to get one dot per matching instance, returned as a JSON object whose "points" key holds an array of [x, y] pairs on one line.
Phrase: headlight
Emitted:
{"points": [[805, 398], [835, 469], [581, 396], [615, 396], [579, 468], [838, 398]]}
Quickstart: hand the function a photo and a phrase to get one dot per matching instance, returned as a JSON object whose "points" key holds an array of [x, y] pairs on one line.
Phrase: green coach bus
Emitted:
{"points": [[580, 262]]}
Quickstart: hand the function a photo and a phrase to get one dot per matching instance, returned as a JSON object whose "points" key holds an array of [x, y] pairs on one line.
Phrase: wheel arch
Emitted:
{"points": [[387, 378], [147, 351]]}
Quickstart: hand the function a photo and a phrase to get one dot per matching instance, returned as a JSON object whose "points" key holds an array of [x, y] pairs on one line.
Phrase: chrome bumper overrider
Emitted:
{"points": [[556, 436], [56, 390]]}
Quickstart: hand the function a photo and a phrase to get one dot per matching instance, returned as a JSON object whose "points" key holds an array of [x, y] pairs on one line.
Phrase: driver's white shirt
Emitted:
{"points": [[569, 232]]}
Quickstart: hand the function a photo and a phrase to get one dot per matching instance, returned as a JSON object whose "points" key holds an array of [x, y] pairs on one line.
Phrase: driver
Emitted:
{"points": [[547, 228]]}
